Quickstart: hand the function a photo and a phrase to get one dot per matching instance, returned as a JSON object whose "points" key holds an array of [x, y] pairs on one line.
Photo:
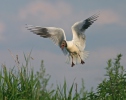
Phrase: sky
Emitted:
{"points": [[104, 39]]}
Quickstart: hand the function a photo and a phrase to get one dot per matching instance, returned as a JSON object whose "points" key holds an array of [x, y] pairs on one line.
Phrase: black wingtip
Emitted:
{"points": [[94, 17], [89, 21]]}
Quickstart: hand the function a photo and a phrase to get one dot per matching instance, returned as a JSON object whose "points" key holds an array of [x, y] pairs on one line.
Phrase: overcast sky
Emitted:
{"points": [[104, 39]]}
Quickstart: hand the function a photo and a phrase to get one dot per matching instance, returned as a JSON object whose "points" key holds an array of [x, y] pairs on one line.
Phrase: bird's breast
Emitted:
{"points": [[72, 48]]}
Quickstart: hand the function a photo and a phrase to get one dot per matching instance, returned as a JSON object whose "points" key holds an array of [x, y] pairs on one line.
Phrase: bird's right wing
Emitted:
{"points": [[57, 35]]}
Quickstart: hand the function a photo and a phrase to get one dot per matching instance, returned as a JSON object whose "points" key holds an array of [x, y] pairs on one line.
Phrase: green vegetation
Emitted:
{"points": [[22, 83]]}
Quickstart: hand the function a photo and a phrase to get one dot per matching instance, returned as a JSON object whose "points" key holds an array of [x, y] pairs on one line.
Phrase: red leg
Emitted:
{"points": [[82, 62], [72, 62]]}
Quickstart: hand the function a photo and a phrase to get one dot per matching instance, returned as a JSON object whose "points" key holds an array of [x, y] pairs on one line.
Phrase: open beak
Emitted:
{"points": [[62, 46]]}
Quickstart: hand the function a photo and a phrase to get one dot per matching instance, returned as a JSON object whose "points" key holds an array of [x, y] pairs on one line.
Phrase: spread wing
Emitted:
{"points": [[79, 28], [57, 35]]}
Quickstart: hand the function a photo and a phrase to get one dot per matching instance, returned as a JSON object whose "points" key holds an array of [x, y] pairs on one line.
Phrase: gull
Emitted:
{"points": [[74, 49]]}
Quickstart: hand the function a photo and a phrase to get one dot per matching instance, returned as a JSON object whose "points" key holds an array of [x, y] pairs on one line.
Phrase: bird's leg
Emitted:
{"points": [[82, 62], [72, 62]]}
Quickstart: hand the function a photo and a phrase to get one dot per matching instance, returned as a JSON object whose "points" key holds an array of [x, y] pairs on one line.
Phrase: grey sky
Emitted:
{"points": [[105, 38]]}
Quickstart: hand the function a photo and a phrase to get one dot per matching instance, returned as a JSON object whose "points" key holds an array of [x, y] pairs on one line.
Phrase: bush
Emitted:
{"points": [[114, 86]]}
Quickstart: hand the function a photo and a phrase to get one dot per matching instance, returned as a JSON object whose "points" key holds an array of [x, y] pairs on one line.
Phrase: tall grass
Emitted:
{"points": [[22, 83]]}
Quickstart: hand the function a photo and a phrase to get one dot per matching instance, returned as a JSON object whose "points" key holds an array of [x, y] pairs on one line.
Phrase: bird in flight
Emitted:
{"points": [[74, 49]]}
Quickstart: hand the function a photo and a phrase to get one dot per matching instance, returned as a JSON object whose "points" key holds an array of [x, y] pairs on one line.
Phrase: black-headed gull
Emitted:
{"points": [[74, 49]]}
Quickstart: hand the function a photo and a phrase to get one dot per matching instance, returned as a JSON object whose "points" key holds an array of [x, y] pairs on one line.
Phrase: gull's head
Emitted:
{"points": [[63, 44]]}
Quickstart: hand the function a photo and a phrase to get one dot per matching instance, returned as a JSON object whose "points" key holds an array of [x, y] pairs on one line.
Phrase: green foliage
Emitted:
{"points": [[114, 86], [24, 84], [65, 94]]}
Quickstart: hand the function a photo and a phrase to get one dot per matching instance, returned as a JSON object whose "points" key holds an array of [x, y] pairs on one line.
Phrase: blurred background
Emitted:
{"points": [[104, 39]]}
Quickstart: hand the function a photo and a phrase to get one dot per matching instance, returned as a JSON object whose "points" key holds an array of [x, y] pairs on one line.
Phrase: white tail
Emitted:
{"points": [[76, 58]]}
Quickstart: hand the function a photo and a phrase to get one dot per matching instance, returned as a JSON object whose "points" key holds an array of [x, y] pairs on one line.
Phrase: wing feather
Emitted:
{"points": [[57, 35], [79, 28]]}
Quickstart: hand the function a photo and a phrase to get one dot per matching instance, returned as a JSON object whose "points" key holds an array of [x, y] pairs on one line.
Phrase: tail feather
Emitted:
{"points": [[76, 58], [84, 55]]}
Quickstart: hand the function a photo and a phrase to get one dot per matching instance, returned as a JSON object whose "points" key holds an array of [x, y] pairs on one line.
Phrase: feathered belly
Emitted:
{"points": [[73, 49]]}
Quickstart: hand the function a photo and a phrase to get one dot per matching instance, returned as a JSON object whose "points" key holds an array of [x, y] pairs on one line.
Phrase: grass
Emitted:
{"points": [[26, 85], [22, 83]]}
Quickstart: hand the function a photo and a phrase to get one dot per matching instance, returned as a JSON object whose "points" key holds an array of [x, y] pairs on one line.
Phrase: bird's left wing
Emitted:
{"points": [[57, 35], [79, 28]]}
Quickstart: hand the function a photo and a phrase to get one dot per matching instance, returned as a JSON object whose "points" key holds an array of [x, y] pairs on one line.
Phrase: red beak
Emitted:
{"points": [[62, 46]]}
